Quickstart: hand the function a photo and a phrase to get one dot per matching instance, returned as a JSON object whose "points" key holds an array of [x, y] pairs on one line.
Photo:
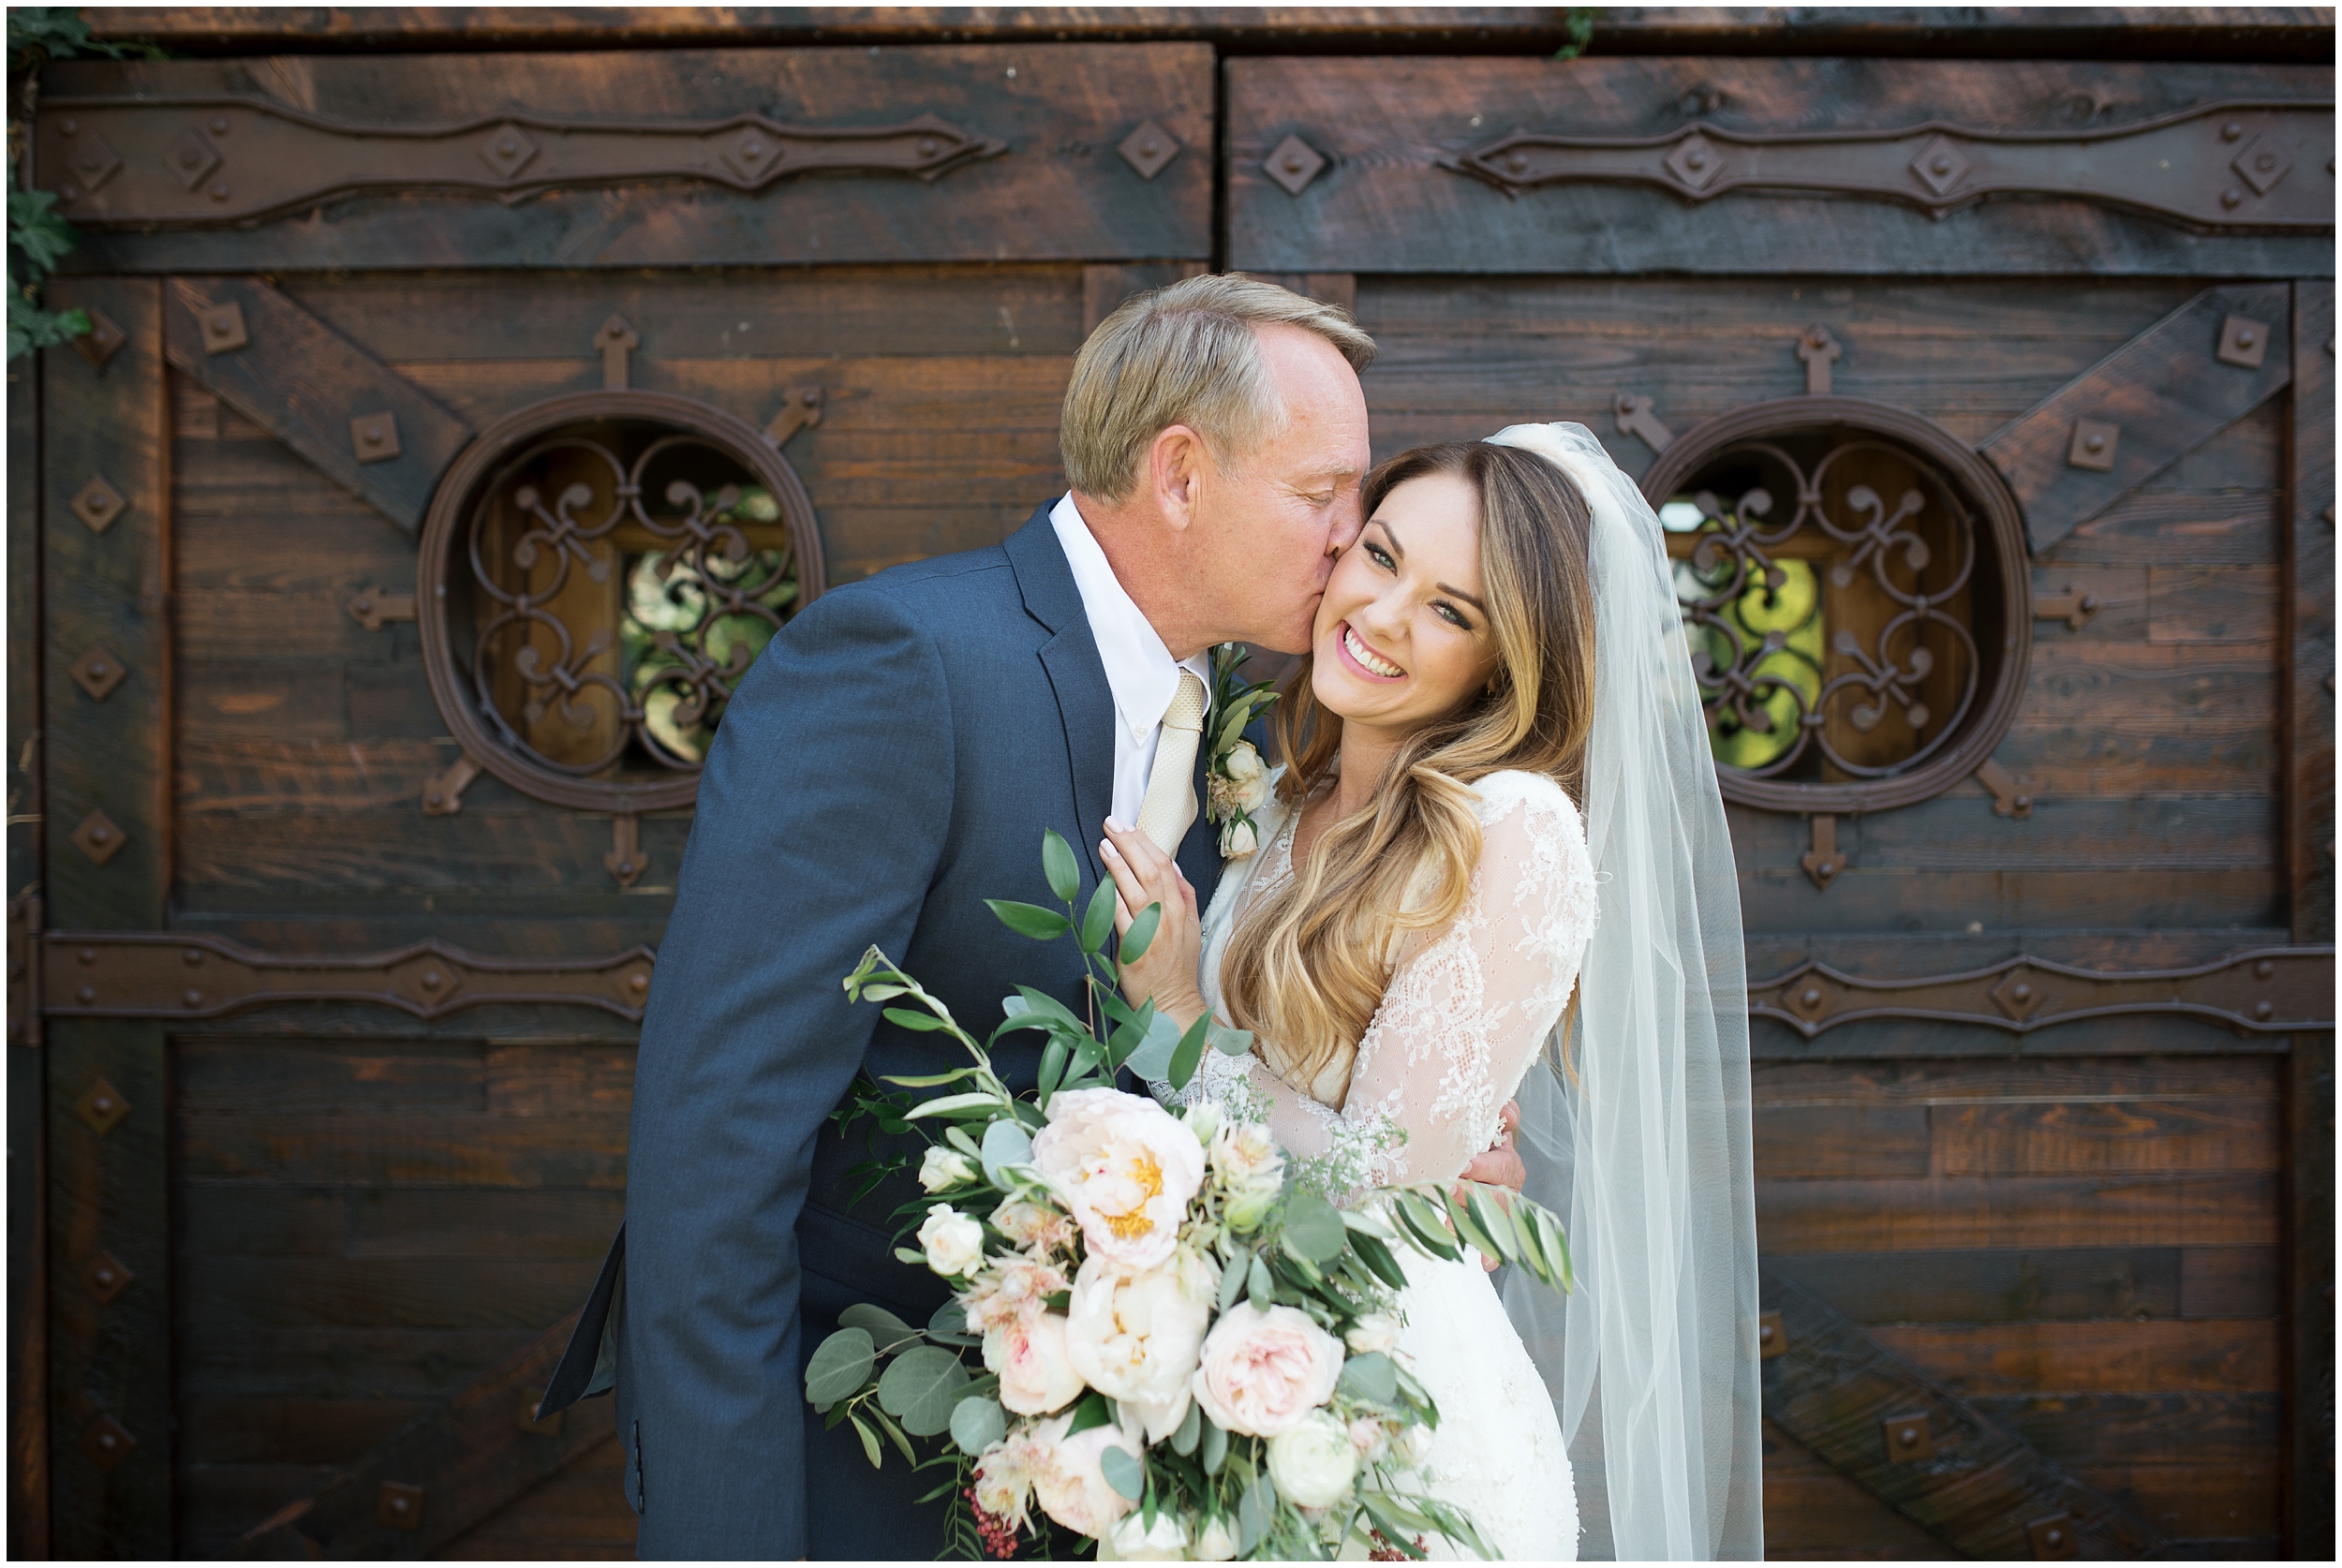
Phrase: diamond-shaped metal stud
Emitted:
{"points": [[191, 155], [752, 153], [1940, 166], [92, 160], [1292, 164], [375, 437], [2263, 163], [99, 838], [2244, 343], [106, 1277], [97, 504], [223, 328], [1696, 161], [507, 150], [1149, 149], [108, 1443], [398, 1506], [97, 672], [1809, 998], [2094, 445], [102, 341], [2017, 995], [101, 1105]]}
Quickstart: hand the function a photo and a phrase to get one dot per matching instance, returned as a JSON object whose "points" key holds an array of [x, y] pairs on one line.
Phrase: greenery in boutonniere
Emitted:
{"points": [[1236, 780]]}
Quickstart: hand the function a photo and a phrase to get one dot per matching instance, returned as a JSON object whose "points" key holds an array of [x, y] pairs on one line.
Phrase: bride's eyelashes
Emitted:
{"points": [[1445, 609]]}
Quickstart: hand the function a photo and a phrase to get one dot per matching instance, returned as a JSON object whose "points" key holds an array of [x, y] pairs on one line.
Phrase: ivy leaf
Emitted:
{"points": [[840, 1367]]}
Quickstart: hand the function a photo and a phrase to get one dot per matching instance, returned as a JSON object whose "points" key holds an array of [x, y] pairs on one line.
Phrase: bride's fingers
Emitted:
{"points": [[1130, 888]]}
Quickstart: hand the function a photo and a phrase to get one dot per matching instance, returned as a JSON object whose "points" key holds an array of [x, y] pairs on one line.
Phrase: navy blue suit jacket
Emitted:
{"points": [[891, 761]]}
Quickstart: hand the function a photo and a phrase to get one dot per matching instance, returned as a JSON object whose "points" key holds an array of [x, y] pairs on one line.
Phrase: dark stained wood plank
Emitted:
{"points": [[581, 1512], [2052, 1139], [278, 1431], [2003, 1285], [217, 1504], [1384, 206], [425, 1365], [2155, 525], [523, 848], [1861, 899], [2231, 1281], [2159, 1078], [526, 1080], [2164, 390], [2211, 604], [1814, 1510], [2209, 1427], [2143, 1211], [457, 1292], [408, 1150], [263, 699], [1058, 191], [308, 385], [1957, 830], [2193, 1499], [1840, 1141], [298, 1079], [2214, 1355], [108, 589]]}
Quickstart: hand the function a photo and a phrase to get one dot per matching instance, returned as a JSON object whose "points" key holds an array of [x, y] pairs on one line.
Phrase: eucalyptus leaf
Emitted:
{"points": [[1230, 1043], [1215, 1448], [889, 1332], [1004, 1143], [1191, 1430], [1258, 1286], [1124, 1471], [1233, 1277], [1141, 935], [978, 1424], [1312, 1228], [949, 1318], [1371, 1377], [840, 1365], [1057, 864], [1029, 920], [1255, 1514], [1152, 1059], [920, 1387], [870, 1441]]}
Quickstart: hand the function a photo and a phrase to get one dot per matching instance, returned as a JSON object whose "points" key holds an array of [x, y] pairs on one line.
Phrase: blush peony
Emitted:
{"points": [[1125, 1168], [1036, 1374], [1134, 1335], [1263, 1371], [1068, 1483]]}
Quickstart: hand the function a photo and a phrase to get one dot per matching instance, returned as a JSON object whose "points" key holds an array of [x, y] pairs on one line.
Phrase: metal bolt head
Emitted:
{"points": [[374, 438], [97, 672], [191, 157], [101, 1107], [219, 192], [2244, 343], [2265, 1011], [2094, 445], [106, 1277], [1293, 163], [219, 124], [99, 838], [97, 504], [223, 329], [2265, 969], [191, 996], [2230, 131], [1148, 148], [86, 995], [108, 1443], [68, 125]]}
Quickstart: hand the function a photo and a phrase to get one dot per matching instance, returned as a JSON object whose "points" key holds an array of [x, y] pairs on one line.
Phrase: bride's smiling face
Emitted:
{"points": [[1403, 634]]}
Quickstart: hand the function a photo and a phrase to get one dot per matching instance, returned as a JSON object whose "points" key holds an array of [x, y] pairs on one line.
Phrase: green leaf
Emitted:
{"points": [[949, 1318], [1141, 934], [911, 1255], [1029, 920], [1091, 1411], [1053, 1060], [1191, 1430], [920, 1387], [954, 1104], [1556, 1242], [1394, 1529], [1424, 1226], [978, 1424], [1097, 920], [1312, 1228], [840, 1365], [889, 1332], [869, 1440], [1256, 1514], [1057, 863], [1230, 1043], [1468, 1226], [1152, 1059], [1378, 1258], [1233, 1277], [1215, 1448], [912, 1020], [931, 1080], [1124, 1471], [901, 1443], [1190, 1055], [1259, 1288], [1371, 1377], [1005, 1144], [957, 1137]]}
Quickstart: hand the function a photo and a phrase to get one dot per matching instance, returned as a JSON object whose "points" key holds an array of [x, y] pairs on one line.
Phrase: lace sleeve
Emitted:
{"points": [[1466, 1015]]}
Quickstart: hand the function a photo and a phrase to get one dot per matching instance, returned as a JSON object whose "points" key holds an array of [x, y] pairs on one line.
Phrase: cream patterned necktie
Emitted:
{"points": [[1169, 806]]}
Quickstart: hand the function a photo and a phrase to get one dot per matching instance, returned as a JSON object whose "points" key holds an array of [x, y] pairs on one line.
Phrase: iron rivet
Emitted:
{"points": [[2024, 802], [926, 147], [626, 869], [1908, 1436], [508, 147], [104, 1102], [189, 157], [192, 997], [193, 956], [638, 983], [106, 1441], [2054, 1537], [1146, 149], [1293, 165], [1695, 160], [86, 996], [69, 192], [2021, 992], [220, 193], [1810, 999], [398, 1504], [2096, 443], [2231, 196], [1764, 1333], [2230, 131], [2265, 1011], [87, 956], [434, 798], [433, 979], [754, 149], [103, 1275], [1942, 165], [374, 435], [2265, 969], [2245, 340], [69, 125], [219, 124], [1519, 161], [101, 835]]}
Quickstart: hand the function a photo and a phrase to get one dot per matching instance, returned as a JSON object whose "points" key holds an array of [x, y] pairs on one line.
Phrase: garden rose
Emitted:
{"points": [[1036, 1375], [1248, 777], [1013, 1289], [1137, 1541], [1375, 1331], [945, 1167], [1070, 1485], [1134, 1335], [1042, 1228], [1124, 1167], [1314, 1463], [1263, 1371], [953, 1243], [1216, 1541], [1239, 838]]}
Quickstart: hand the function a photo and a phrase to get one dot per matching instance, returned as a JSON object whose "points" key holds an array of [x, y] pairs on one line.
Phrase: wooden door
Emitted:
{"points": [[352, 905], [2021, 954]]}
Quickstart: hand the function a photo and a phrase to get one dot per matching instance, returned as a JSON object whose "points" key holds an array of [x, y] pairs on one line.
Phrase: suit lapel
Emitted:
{"points": [[1085, 703]]}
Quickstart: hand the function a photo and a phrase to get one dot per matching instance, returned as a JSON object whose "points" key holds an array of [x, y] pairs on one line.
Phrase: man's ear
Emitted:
{"points": [[1177, 468]]}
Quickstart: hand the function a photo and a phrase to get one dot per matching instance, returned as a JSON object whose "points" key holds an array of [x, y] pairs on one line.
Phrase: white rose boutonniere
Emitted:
{"points": [[1238, 779]]}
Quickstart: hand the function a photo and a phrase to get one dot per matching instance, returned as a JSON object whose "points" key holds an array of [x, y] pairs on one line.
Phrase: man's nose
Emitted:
{"points": [[1349, 522]]}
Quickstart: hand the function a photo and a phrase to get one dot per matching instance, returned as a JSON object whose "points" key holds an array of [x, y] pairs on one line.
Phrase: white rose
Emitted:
{"points": [[1036, 1374], [1249, 776], [1136, 1335], [1375, 1331], [1069, 1483], [1164, 1541], [1414, 1443], [1263, 1371], [1216, 1541], [944, 1167], [1314, 1463], [1125, 1168], [953, 1243], [1237, 839]]}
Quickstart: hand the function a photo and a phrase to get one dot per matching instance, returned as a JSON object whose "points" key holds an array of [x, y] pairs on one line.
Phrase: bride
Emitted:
{"points": [[1500, 647]]}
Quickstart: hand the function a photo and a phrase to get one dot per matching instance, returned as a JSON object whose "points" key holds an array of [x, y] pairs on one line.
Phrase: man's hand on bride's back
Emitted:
{"points": [[1144, 875], [1500, 1166]]}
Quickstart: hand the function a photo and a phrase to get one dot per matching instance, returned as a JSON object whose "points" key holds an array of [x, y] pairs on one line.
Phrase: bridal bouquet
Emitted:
{"points": [[1187, 1350]]}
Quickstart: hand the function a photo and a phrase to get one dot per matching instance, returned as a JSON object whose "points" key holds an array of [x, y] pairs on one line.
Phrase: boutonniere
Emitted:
{"points": [[1237, 779]]}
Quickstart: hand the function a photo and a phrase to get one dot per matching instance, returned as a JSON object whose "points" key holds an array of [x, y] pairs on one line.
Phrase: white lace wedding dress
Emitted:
{"points": [[1466, 1015]]}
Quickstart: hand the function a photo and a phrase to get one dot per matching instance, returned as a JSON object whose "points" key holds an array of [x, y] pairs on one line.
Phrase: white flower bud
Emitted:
{"points": [[953, 1243], [944, 1167]]}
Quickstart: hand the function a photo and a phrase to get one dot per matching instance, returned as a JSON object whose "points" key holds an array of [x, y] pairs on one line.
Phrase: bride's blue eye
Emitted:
{"points": [[1382, 557], [1455, 616]]}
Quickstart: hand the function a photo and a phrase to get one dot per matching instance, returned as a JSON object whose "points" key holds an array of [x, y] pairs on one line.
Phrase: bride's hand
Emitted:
{"points": [[1144, 875]]}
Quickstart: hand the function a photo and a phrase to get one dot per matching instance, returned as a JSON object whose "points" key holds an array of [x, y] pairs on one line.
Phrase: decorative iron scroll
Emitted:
{"points": [[1854, 583], [175, 162], [2274, 990], [161, 974], [597, 572], [2255, 166]]}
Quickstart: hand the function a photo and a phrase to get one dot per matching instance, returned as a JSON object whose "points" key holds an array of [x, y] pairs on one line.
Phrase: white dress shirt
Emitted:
{"points": [[1140, 671]]}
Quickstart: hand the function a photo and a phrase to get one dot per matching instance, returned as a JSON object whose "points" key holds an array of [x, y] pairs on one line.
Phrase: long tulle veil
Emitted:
{"points": [[1639, 1132]]}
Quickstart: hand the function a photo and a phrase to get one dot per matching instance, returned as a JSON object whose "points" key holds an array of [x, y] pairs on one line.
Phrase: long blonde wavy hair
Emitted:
{"points": [[1307, 964]]}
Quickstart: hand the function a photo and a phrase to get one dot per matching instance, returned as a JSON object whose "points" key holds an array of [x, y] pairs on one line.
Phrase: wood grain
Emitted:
{"points": [[1957, 1212], [2212, 1355]]}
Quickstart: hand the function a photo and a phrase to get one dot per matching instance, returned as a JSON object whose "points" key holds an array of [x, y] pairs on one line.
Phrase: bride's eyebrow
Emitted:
{"points": [[1400, 552]]}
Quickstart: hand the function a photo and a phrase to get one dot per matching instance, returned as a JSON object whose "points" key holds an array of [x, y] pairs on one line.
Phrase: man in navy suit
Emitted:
{"points": [[891, 761]]}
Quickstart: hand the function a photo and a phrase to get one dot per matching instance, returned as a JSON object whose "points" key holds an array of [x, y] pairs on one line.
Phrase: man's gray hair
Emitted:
{"points": [[1186, 354]]}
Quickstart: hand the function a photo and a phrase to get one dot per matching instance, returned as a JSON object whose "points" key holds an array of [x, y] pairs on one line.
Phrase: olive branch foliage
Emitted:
{"points": [[894, 1384]]}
